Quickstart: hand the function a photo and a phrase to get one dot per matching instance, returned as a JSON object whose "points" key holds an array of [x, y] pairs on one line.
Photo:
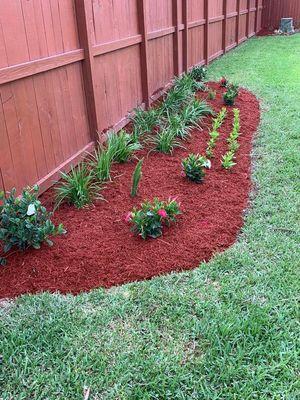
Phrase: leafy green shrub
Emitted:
{"points": [[121, 145], [149, 219], [231, 94], [198, 73], [223, 82], [77, 187], [193, 167], [136, 177], [24, 222], [100, 164]]}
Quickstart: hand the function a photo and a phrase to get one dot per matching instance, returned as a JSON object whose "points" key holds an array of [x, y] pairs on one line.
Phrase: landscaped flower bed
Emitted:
{"points": [[99, 249]]}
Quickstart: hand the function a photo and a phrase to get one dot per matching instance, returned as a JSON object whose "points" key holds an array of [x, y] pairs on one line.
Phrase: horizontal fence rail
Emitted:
{"points": [[70, 69]]}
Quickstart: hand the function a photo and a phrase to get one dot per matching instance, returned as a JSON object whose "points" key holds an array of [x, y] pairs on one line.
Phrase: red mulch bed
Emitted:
{"points": [[99, 249]]}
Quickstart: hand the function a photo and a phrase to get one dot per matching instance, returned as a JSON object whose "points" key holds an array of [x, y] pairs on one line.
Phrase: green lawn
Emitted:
{"points": [[227, 330]]}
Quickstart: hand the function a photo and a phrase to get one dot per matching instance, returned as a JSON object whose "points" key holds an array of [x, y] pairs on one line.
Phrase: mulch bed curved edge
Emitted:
{"points": [[100, 251]]}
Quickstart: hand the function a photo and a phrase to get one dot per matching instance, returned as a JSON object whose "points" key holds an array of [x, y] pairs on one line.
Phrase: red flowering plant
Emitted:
{"points": [[223, 82], [149, 219]]}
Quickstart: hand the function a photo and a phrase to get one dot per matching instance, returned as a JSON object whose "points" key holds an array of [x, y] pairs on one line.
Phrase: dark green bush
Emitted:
{"points": [[25, 222], [193, 167]]}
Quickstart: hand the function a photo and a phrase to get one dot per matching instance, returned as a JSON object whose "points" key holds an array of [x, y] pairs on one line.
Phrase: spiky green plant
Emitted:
{"points": [[193, 112], [176, 123], [165, 140], [77, 187], [100, 163], [144, 121], [136, 177], [121, 145]]}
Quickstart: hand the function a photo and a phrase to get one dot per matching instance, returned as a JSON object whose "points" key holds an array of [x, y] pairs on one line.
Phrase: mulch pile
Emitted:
{"points": [[99, 249]]}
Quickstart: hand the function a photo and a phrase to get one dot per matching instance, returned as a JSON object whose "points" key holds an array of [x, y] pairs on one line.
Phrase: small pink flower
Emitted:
{"points": [[162, 213], [128, 216], [182, 174]]}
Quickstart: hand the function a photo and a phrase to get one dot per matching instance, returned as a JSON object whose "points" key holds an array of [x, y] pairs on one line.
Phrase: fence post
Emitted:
{"points": [[83, 16], [248, 19], [206, 31], [256, 15], [224, 26], [237, 33], [185, 38], [176, 22], [142, 18]]}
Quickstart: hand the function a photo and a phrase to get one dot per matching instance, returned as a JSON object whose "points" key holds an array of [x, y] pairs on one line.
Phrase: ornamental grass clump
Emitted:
{"points": [[144, 121], [194, 167], [193, 112], [100, 164], [25, 222], [181, 93], [151, 217], [165, 140], [121, 146], [231, 94], [136, 177], [78, 187]]}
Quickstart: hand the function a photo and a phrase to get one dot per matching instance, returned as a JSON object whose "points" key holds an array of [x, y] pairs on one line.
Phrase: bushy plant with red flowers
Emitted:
{"points": [[150, 218], [223, 82]]}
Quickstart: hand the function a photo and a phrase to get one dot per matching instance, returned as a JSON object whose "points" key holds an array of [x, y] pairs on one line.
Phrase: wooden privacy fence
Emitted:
{"points": [[274, 10], [71, 68]]}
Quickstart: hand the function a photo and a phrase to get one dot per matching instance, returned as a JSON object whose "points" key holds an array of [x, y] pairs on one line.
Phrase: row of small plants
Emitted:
{"points": [[232, 141]]}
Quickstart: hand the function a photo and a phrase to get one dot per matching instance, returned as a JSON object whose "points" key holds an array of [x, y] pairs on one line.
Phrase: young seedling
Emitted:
{"points": [[212, 94], [227, 160], [136, 177]]}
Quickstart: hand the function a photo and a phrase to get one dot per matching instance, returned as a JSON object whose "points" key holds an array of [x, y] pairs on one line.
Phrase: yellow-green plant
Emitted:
{"points": [[214, 134], [233, 145]]}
